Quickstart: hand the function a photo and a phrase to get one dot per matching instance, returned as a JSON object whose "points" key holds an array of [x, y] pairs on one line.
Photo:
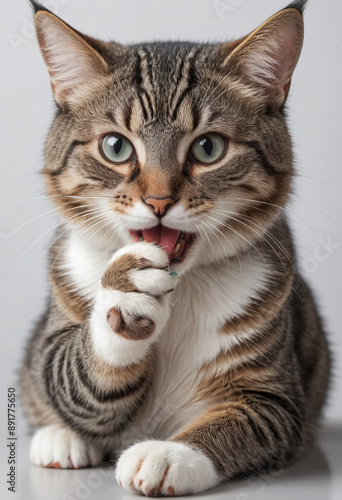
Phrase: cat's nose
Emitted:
{"points": [[160, 205]]}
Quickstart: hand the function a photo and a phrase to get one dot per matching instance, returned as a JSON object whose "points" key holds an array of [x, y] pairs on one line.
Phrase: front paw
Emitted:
{"points": [[132, 305], [58, 447], [165, 468]]}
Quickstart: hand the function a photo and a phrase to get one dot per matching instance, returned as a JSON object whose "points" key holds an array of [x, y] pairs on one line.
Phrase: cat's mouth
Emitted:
{"points": [[175, 243]]}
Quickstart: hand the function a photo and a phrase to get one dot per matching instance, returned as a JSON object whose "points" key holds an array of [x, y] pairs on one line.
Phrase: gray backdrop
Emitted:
{"points": [[28, 219]]}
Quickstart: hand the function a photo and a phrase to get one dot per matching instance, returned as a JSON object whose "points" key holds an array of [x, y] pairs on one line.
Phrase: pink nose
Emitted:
{"points": [[159, 205]]}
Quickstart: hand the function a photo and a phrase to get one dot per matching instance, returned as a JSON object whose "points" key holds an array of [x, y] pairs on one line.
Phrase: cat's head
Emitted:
{"points": [[184, 144]]}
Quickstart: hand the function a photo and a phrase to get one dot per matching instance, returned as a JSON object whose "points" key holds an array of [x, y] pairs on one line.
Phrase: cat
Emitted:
{"points": [[179, 333]]}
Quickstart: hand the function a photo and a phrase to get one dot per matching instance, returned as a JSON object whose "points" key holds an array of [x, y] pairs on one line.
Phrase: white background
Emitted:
{"points": [[26, 110]]}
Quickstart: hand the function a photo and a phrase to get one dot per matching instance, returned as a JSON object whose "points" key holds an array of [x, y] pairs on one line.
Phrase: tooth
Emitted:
{"points": [[177, 248]]}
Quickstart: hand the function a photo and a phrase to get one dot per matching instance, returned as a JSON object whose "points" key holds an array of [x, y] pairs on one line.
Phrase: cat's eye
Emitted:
{"points": [[208, 149], [116, 148]]}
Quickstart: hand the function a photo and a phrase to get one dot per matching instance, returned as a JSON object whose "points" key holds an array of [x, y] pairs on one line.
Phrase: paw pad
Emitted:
{"points": [[136, 328]]}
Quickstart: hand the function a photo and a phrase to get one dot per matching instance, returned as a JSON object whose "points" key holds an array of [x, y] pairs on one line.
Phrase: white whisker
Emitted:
{"points": [[249, 243]]}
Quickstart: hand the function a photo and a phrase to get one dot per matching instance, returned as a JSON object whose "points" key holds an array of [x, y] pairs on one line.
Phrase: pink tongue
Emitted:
{"points": [[163, 236]]}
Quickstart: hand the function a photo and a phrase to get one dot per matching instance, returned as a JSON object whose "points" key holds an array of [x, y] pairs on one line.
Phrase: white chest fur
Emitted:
{"points": [[204, 300]]}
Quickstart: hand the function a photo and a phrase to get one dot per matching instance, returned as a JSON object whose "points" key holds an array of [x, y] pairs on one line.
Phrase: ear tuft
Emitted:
{"points": [[298, 4], [37, 6]]}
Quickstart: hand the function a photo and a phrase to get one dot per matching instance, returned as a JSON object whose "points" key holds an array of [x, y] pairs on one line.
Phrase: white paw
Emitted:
{"points": [[165, 468], [143, 250], [60, 448], [132, 305]]}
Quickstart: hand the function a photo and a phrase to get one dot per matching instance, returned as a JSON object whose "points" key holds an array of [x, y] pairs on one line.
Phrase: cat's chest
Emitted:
{"points": [[203, 301], [193, 337]]}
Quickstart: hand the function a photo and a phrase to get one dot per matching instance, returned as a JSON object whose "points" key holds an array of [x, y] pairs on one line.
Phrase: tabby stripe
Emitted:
{"points": [[246, 432], [196, 115], [273, 402], [48, 371], [138, 79], [191, 80], [67, 156], [178, 80], [143, 107], [61, 378], [51, 339], [76, 418], [277, 400], [143, 92], [149, 97], [128, 116], [80, 399], [61, 404], [100, 170], [83, 403], [257, 425], [55, 383], [148, 59], [113, 395], [272, 171], [272, 427], [111, 117], [85, 428], [135, 172]]}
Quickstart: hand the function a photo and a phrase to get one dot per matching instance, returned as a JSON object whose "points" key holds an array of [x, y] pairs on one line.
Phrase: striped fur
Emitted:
{"points": [[222, 365]]}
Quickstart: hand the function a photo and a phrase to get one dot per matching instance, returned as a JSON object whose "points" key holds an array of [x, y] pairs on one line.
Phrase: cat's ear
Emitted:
{"points": [[76, 68], [269, 55]]}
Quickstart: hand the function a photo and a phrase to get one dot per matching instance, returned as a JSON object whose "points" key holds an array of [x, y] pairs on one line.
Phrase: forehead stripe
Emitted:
{"points": [[67, 156], [144, 96], [189, 81]]}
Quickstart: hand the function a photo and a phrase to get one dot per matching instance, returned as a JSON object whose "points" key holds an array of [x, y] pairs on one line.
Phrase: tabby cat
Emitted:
{"points": [[178, 331]]}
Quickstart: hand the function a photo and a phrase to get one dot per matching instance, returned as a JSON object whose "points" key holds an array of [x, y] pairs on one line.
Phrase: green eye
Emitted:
{"points": [[116, 149], [208, 149]]}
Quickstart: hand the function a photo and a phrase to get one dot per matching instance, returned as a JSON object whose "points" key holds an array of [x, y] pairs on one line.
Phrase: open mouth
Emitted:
{"points": [[175, 243]]}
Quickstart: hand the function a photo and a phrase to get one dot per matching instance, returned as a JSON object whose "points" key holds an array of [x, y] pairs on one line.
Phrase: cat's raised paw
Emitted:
{"points": [[132, 305], [165, 468], [58, 447]]}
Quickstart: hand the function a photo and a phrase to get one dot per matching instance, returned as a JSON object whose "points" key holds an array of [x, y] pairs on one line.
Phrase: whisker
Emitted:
{"points": [[116, 227], [217, 86], [257, 233], [280, 246], [208, 224], [316, 208], [202, 231], [284, 209], [27, 223], [42, 236], [249, 243], [103, 218], [211, 230], [76, 216], [48, 197], [28, 249]]}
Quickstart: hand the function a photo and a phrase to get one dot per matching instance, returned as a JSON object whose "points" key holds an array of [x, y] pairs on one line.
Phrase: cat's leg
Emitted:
{"points": [[82, 384], [251, 434], [132, 305]]}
